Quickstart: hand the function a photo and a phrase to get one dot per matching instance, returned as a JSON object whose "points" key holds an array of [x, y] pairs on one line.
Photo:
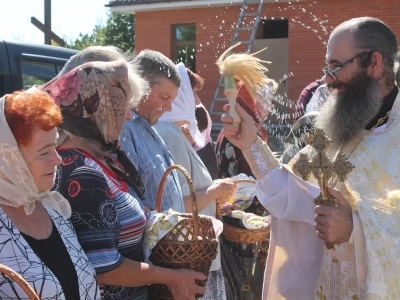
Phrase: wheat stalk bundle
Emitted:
{"points": [[246, 68]]}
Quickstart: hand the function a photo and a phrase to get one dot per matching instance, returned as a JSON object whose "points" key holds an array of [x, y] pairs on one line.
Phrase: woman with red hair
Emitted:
{"points": [[37, 239]]}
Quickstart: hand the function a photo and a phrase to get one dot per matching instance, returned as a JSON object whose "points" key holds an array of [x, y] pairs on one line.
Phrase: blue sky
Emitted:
{"points": [[69, 18]]}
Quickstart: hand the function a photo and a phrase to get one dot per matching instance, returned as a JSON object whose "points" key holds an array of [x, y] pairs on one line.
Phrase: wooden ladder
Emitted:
{"points": [[215, 109]]}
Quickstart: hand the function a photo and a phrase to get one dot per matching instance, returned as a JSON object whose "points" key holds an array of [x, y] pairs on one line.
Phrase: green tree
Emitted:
{"points": [[119, 31]]}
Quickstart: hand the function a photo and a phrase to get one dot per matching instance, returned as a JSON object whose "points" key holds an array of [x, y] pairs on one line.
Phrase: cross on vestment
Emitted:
{"points": [[320, 293], [322, 168]]}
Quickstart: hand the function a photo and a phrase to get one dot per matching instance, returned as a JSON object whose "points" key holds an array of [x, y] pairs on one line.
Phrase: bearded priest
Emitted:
{"points": [[361, 116]]}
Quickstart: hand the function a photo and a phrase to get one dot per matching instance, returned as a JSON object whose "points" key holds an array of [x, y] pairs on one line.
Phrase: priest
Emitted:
{"points": [[362, 118]]}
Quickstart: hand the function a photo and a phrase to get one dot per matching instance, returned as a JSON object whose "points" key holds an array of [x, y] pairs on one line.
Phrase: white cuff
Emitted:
{"points": [[260, 158]]}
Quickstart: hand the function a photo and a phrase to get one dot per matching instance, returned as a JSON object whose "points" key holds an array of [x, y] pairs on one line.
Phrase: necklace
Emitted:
{"points": [[334, 179], [47, 231]]}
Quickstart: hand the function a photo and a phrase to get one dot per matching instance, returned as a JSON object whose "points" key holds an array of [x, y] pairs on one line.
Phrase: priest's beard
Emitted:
{"points": [[345, 114]]}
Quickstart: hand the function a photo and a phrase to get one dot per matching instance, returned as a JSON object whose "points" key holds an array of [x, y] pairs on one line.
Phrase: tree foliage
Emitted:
{"points": [[119, 31]]}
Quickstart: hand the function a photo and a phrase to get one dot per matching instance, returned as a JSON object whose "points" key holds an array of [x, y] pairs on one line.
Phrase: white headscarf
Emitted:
{"points": [[17, 185], [184, 107]]}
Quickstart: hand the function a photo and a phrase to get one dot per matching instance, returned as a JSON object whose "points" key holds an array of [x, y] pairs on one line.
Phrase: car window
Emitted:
{"points": [[37, 73]]}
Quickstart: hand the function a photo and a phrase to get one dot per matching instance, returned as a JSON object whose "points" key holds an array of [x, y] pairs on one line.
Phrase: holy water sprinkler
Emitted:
{"points": [[246, 68]]}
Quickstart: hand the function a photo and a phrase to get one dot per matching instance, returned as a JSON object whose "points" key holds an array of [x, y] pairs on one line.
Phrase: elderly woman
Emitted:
{"points": [[179, 131], [103, 190], [37, 240]]}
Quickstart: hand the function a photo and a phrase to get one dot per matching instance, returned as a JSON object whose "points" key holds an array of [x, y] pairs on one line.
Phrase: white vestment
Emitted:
{"points": [[368, 265]]}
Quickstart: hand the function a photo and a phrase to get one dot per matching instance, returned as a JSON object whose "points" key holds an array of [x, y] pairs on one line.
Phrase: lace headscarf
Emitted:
{"points": [[184, 107], [93, 99], [17, 186]]}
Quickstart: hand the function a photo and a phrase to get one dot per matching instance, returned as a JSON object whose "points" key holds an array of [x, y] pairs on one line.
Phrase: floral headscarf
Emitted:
{"points": [[93, 99], [17, 186]]}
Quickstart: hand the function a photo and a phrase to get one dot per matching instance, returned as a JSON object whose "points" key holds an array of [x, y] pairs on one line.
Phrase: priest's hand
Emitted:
{"points": [[334, 224], [244, 136]]}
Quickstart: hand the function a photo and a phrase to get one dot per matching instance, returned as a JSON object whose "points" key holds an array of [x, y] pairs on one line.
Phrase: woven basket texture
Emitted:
{"points": [[190, 244], [243, 235]]}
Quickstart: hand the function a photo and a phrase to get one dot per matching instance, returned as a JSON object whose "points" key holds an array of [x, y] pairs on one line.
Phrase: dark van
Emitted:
{"points": [[23, 65]]}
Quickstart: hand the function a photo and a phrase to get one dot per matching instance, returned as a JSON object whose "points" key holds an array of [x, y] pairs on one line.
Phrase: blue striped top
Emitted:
{"points": [[108, 220]]}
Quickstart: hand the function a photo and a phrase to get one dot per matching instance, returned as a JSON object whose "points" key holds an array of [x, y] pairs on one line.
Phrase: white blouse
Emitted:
{"points": [[16, 253]]}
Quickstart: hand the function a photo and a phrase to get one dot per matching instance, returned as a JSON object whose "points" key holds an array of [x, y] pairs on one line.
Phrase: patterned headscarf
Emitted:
{"points": [[93, 99], [184, 107], [17, 186]]}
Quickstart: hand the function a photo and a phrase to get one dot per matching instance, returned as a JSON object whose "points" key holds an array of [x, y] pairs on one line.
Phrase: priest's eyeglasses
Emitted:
{"points": [[331, 73]]}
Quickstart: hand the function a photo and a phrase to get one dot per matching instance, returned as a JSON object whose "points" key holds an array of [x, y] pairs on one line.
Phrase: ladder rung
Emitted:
{"points": [[245, 28], [249, 15], [251, 1], [243, 42], [220, 99], [218, 113], [218, 125]]}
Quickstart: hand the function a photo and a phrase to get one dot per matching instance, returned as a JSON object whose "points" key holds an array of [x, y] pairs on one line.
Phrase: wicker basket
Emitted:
{"points": [[243, 235], [190, 244], [20, 281]]}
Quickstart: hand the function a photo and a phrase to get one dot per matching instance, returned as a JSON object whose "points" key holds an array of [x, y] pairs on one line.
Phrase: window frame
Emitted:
{"points": [[179, 43], [23, 58]]}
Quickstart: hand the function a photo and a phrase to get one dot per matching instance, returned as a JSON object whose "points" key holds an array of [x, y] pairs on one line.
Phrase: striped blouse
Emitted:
{"points": [[109, 221]]}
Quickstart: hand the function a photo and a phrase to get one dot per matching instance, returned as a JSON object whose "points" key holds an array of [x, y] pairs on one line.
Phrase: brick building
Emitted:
{"points": [[305, 25]]}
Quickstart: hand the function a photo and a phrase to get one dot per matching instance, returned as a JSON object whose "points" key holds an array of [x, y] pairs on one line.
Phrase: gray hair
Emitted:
{"points": [[137, 88], [155, 67], [373, 34], [98, 148]]}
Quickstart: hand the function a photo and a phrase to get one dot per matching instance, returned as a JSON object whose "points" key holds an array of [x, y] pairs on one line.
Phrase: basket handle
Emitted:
{"points": [[20, 280], [192, 194]]}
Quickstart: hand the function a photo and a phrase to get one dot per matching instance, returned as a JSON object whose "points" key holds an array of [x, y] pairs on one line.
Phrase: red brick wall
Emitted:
{"points": [[307, 36]]}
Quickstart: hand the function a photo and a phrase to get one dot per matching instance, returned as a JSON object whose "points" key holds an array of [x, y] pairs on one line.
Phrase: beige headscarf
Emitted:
{"points": [[17, 186]]}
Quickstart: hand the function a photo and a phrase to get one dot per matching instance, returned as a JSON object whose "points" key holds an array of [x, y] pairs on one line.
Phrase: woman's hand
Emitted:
{"points": [[219, 190], [222, 189], [244, 136], [183, 284], [147, 211], [186, 133]]}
